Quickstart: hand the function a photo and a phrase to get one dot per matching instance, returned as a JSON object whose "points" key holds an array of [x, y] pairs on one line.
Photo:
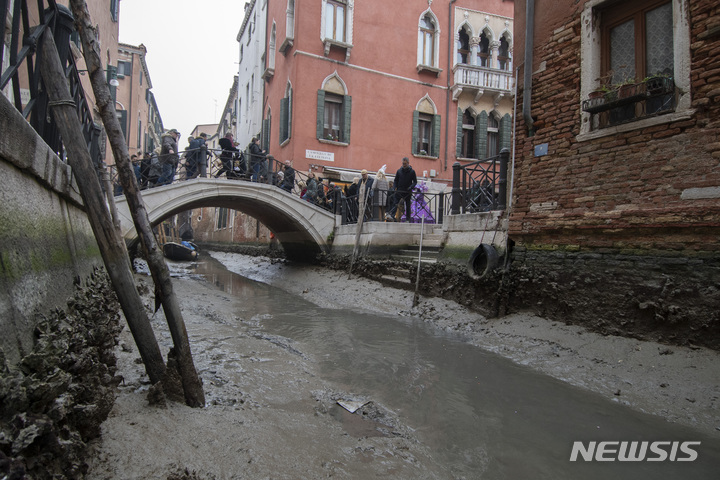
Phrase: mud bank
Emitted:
{"points": [[270, 412]]}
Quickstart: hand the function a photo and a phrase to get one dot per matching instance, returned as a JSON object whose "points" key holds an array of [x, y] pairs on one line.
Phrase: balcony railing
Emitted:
{"points": [[481, 79]]}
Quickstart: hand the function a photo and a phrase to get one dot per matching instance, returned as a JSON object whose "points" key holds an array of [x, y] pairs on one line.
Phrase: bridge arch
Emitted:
{"points": [[301, 228]]}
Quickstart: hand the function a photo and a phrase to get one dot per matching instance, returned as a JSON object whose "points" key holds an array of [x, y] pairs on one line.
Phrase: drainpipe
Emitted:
{"points": [[527, 74], [451, 37]]}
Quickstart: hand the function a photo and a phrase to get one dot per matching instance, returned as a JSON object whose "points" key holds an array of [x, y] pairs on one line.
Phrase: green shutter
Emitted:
{"points": [[481, 123], [415, 132], [283, 119], [266, 134], [346, 112], [289, 119], [505, 132], [459, 136], [320, 113], [435, 147]]}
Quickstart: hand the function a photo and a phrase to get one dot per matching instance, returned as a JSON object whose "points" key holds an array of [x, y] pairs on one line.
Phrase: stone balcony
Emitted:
{"points": [[482, 81]]}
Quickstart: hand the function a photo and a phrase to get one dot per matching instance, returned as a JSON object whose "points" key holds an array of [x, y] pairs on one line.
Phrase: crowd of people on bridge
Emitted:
{"points": [[367, 197]]}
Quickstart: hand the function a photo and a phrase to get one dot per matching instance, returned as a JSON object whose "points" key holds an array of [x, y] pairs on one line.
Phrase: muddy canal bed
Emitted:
{"points": [[286, 353]]}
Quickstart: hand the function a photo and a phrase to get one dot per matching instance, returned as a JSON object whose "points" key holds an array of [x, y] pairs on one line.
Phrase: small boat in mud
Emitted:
{"points": [[185, 251]]}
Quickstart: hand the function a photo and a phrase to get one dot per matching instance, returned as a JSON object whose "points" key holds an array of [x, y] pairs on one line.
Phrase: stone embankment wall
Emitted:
{"points": [[46, 243]]}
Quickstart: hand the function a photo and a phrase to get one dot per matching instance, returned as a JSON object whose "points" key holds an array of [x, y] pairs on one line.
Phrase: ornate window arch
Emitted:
{"points": [[426, 129], [463, 40], [428, 50], [334, 107]]}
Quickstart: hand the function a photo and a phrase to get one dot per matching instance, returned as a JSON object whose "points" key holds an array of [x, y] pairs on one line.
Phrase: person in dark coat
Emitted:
{"points": [[257, 160], [405, 181], [289, 177], [229, 150]]}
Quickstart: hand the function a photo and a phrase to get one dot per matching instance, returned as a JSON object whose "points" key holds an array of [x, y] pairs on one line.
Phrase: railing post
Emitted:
{"points": [[441, 208], [502, 182], [456, 192]]}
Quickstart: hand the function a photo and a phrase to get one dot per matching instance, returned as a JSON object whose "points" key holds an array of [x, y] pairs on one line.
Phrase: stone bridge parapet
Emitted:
{"points": [[300, 227]]}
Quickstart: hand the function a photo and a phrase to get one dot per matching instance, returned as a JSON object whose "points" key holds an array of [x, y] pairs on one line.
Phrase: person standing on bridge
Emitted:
{"points": [[257, 159], [405, 181], [229, 151], [168, 156], [289, 177]]}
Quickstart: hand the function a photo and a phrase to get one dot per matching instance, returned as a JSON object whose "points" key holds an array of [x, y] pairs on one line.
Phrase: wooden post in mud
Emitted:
{"points": [[192, 386], [111, 244], [360, 220]]}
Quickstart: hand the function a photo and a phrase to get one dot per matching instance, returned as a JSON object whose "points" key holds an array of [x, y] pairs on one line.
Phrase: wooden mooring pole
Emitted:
{"points": [[192, 386], [111, 244]]}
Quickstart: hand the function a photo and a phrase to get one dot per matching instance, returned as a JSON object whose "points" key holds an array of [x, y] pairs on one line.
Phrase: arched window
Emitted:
{"points": [[463, 47], [427, 41], [426, 129], [333, 111], [504, 54], [484, 56]]}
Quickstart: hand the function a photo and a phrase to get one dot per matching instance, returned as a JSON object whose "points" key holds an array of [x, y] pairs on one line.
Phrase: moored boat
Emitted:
{"points": [[185, 251]]}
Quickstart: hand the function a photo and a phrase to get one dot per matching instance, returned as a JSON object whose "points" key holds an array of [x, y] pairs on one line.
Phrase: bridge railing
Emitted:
{"points": [[432, 207], [21, 78], [480, 186]]}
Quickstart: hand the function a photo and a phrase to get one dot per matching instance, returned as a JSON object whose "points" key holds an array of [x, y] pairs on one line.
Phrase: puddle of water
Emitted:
{"points": [[482, 415]]}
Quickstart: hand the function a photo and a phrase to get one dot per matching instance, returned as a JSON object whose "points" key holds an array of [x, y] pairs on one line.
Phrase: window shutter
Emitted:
{"points": [[320, 113], [266, 133], [505, 132], [415, 131], [283, 119], [481, 123], [459, 138], [346, 111], [289, 119], [435, 147]]}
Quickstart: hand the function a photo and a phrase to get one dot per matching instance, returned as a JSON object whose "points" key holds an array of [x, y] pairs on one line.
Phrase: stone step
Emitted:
{"points": [[414, 258], [396, 282]]}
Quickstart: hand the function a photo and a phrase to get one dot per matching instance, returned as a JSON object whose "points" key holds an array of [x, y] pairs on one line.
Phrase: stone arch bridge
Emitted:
{"points": [[300, 227]]}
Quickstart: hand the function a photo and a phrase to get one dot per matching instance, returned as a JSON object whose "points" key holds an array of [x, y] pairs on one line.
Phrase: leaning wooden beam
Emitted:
{"points": [[192, 386], [112, 247]]}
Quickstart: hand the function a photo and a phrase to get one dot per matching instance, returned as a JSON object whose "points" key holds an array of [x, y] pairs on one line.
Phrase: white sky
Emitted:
{"points": [[192, 55]]}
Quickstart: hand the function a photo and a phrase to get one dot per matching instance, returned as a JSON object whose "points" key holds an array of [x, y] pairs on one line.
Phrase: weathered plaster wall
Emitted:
{"points": [[46, 243]]}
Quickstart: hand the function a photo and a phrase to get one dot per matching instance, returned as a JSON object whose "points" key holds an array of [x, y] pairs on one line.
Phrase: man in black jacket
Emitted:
{"points": [[405, 181]]}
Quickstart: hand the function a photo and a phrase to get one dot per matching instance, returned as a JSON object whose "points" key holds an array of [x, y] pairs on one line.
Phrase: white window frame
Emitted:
{"points": [[591, 61], [421, 65], [329, 42]]}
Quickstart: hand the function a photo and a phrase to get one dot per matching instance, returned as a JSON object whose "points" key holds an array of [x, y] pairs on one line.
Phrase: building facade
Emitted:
{"points": [[352, 85], [135, 102], [248, 100], [616, 193]]}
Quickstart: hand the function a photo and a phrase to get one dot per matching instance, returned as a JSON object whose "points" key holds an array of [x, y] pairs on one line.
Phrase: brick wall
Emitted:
{"points": [[634, 211]]}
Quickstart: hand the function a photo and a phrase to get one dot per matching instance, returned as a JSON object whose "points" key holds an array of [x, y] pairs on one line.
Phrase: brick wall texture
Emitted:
{"points": [[605, 220]]}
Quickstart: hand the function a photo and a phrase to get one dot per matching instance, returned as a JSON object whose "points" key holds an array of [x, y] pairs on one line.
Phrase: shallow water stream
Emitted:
{"points": [[481, 415]]}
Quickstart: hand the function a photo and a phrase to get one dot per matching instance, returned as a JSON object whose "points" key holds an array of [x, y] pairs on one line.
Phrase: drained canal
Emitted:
{"points": [[481, 415]]}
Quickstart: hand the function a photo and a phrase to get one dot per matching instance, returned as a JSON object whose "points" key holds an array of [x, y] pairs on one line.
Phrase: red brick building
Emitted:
{"points": [[357, 85], [615, 208]]}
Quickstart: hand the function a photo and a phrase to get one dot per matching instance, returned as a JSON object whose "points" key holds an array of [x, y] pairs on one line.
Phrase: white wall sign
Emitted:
{"points": [[317, 155]]}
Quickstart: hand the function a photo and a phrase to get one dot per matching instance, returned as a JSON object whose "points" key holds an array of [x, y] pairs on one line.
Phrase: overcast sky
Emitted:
{"points": [[192, 55]]}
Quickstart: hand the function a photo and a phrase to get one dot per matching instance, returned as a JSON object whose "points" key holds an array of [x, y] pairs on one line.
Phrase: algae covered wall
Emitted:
{"points": [[46, 243]]}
